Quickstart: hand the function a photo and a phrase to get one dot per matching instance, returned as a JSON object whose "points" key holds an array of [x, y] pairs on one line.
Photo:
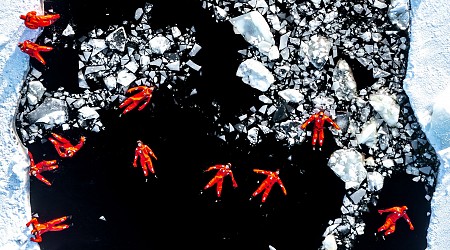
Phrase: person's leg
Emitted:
{"points": [[265, 194], [390, 230], [211, 182], [321, 136], [144, 166], [219, 187], [314, 137]]}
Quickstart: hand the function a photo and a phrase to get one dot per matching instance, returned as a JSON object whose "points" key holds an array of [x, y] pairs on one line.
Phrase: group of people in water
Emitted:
{"points": [[144, 153]]}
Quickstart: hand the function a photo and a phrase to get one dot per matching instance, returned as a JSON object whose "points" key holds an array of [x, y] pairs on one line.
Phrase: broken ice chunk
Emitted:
{"points": [[220, 13], [329, 242], [35, 92], [291, 95], [175, 32], [159, 44], [357, 196], [374, 181], [398, 13], [175, 66], [317, 50], [255, 74], [97, 46], [117, 39], [52, 111], [386, 106], [86, 113], [389, 163], [348, 164], [110, 82], [82, 81], [138, 13], [132, 66], [125, 78], [379, 4], [196, 48], [369, 134], [255, 30], [344, 83], [193, 65], [252, 135], [68, 31]]}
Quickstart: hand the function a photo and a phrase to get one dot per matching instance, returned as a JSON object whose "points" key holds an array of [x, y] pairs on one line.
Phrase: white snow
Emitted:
{"points": [[427, 84], [15, 210]]}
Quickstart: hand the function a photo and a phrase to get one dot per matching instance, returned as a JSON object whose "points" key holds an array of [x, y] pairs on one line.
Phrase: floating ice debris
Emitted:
{"points": [[97, 46], [369, 134], [125, 77], [317, 50], [291, 95], [379, 4], [117, 39], [193, 65], [255, 30], [344, 83], [110, 82], [252, 135], [398, 13], [387, 107], [52, 112], [329, 243], [255, 74], [159, 44], [348, 164], [357, 196], [195, 49], [86, 113], [220, 13], [35, 92], [111, 61], [375, 181], [68, 31]]}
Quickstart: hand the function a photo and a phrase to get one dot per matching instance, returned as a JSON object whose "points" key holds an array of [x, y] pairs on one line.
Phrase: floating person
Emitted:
{"points": [[53, 225], [144, 153], [223, 171], [395, 213], [37, 169], [319, 119], [64, 147], [33, 21], [33, 49], [144, 95], [266, 185]]}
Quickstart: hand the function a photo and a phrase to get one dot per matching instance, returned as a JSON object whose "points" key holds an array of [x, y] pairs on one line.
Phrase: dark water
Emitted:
{"points": [[170, 211]]}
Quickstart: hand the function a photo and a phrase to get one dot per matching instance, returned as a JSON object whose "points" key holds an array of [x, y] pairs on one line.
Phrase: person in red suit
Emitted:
{"points": [[33, 50], [37, 169], [395, 213], [64, 147], [319, 119], [33, 21], [144, 153], [143, 96], [266, 185], [223, 171], [40, 228]]}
